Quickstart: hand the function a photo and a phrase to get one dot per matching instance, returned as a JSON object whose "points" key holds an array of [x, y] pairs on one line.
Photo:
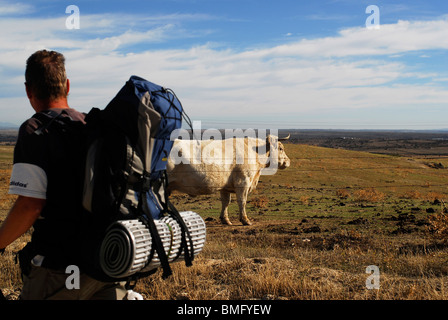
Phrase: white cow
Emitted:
{"points": [[226, 166]]}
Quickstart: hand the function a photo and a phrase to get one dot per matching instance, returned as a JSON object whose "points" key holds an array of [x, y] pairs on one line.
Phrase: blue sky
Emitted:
{"points": [[245, 63]]}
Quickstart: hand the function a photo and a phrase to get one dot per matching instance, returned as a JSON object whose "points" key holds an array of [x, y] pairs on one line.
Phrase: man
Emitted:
{"points": [[46, 176]]}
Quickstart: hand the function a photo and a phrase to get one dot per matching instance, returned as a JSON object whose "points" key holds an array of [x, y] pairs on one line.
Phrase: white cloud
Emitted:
{"points": [[404, 36], [350, 71], [8, 9]]}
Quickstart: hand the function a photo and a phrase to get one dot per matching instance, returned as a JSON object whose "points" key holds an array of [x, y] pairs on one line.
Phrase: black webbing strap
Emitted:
{"points": [[189, 255], [157, 242], [173, 212], [47, 117]]}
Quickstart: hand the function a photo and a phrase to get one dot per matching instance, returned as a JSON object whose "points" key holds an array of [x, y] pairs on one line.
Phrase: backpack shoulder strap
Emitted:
{"points": [[46, 117]]}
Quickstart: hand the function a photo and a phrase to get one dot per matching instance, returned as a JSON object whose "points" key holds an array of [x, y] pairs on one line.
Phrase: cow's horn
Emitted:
{"points": [[286, 138]]}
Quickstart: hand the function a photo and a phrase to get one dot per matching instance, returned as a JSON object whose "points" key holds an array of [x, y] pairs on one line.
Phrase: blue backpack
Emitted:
{"points": [[125, 199]]}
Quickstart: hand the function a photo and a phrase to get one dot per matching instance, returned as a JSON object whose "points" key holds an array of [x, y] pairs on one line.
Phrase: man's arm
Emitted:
{"points": [[20, 219]]}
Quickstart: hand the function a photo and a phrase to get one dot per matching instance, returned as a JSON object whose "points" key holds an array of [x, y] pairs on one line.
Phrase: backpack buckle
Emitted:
{"points": [[145, 182]]}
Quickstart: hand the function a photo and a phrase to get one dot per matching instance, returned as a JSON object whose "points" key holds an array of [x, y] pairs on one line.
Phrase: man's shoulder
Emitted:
{"points": [[75, 115], [69, 113], [39, 119], [29, 126]]}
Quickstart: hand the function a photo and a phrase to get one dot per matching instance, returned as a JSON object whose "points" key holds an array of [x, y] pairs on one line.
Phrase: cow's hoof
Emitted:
{"points": [[226, 221], [246, 222]]}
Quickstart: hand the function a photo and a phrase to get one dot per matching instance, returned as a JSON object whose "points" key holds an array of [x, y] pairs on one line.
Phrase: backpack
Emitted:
{"points": [[132, 228]]}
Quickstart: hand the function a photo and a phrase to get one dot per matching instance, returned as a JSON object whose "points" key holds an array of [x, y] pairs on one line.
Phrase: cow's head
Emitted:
{"points": [[283, 160]]}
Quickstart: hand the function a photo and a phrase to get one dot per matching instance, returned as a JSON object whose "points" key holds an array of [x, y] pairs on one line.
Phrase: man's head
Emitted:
{"points": [[45, 76]]}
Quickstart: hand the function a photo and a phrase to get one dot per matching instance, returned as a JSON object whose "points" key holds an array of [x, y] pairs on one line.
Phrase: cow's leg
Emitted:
{"points": [[225, 201], [241, 197]]}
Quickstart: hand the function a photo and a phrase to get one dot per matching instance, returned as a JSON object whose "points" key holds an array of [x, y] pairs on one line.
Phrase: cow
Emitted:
{"points": [[213, 171]]}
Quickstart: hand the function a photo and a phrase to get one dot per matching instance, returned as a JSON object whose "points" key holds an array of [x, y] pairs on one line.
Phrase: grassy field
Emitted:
{"points": [[316, 227]]}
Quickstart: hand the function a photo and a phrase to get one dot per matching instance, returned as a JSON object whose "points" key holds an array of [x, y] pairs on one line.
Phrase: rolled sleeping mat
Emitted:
{"points": [[197, 229], [195, 225], [127, 246]]}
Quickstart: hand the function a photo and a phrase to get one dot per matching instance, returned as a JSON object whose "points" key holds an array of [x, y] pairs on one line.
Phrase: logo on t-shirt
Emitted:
{"points": [[28, 180], [18, 184]]}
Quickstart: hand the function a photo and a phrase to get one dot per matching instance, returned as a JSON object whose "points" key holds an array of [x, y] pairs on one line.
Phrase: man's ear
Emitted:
{"points": [[68, 86]]}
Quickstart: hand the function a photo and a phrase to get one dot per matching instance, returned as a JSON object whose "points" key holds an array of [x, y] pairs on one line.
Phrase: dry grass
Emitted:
{"points": [[342, 193], [259, 202], [438, 225], [369, 195], [316, 227], [289, 268]]}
